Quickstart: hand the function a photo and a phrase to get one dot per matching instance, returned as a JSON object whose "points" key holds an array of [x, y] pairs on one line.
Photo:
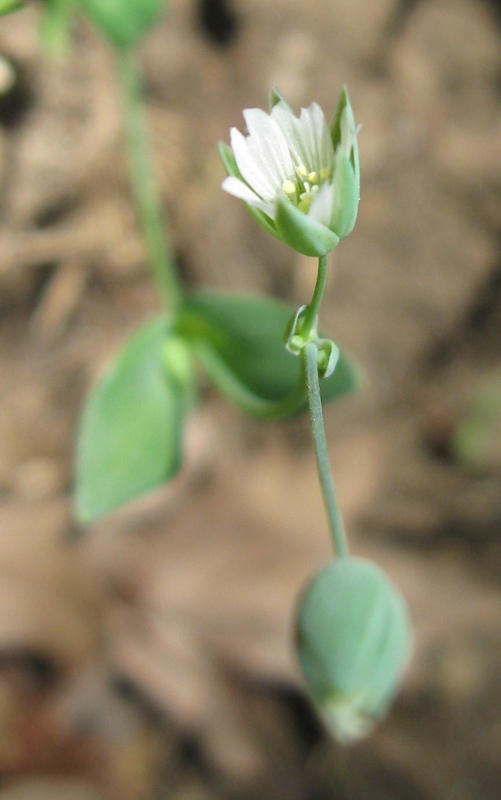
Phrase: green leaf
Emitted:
{"points": [[124, 22], [246, 335], [8, 6], [130, 434], [55, 27], [301, 232]]}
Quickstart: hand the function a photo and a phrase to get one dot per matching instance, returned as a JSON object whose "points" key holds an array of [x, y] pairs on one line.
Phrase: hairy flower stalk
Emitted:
{"points": [[298, 177]]}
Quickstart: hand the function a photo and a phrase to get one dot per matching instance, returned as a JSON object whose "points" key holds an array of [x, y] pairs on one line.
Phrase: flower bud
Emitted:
{"points": [[124, 22], [353, 643]]}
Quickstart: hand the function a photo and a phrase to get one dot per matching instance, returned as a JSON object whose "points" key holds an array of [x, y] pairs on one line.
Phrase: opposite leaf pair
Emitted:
{"points": [[131, 432]]}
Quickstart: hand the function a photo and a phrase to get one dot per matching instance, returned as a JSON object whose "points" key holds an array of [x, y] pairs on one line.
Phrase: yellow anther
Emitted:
{"points": [[289, 187], [312, 177], [324, 173], [302, 171]]}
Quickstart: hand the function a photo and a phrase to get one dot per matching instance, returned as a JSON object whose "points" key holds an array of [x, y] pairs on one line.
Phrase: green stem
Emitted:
{"points": [[309, 355], [147, 200], [311, 315]]}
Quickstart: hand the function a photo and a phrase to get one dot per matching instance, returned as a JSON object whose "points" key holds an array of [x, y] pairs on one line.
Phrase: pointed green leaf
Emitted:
{"points": [[246, 334], [130, 434], [302, 232], [55, 27], [124, 22]]}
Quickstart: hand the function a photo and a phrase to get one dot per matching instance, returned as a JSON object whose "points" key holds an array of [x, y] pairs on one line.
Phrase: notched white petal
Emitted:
{"points": [[256, 174], [314, 132], [269, 144], [287, 122]]}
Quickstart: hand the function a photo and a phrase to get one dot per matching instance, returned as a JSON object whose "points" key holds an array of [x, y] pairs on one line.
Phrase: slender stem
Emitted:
{"points": [[309, 354], [143, 184], [311, 315]]}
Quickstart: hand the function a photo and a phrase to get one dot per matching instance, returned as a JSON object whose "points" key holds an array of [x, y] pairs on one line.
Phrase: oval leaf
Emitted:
{"points": [[130, 434], [246, 333], [8, 6]]}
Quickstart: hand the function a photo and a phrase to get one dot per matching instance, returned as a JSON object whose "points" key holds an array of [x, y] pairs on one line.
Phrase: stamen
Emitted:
{"points": [[324, 173], [302, 171], [312, 177], [289, 187]]}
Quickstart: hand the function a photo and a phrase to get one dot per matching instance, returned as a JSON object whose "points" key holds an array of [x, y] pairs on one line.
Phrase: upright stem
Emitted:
{"points": [[309, 354], [147, 200], [311, 315]]}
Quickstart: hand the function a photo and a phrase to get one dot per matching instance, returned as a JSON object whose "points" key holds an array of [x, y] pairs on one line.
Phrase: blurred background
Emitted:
{"points": [[150, 657]]}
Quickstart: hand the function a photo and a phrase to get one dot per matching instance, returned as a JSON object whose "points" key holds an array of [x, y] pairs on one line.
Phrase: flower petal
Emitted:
{"points": [[312, 129], [322, 207], [240, 189], [269, 145], [254, 171], [287, 122]]}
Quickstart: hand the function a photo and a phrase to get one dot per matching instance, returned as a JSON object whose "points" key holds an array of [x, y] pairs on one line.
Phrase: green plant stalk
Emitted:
{"points": [[309, 325], [147, 200], [309, 355]]}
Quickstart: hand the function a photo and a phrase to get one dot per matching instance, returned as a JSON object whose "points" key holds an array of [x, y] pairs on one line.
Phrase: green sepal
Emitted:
{"points": [[301, 232], [9, 6], [353, 644], [346, 124], [277, 97], [263, 220], [130, 435], [228, 159], [246, 335], [124, 22], [346, 197]]}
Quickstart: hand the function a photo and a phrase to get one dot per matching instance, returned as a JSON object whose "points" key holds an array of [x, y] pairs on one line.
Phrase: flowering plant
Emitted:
{"points": [[299, 178]]}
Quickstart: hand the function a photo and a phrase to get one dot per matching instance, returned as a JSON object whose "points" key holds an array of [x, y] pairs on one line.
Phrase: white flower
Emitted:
{"points": [[298, 177]]}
